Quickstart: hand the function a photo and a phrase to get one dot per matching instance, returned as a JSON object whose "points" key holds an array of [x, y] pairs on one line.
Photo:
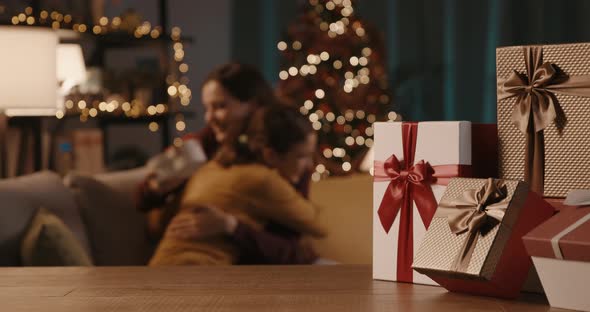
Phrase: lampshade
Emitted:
{"points": [[28, 66], [70, 64]]}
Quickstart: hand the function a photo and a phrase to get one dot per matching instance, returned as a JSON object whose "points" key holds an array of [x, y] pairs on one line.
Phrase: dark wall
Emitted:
{"points": [[441, 53]]}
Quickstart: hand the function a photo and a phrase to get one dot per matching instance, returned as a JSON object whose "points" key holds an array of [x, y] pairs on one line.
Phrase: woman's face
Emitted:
{"points": [[297, 160], [221, 108]]}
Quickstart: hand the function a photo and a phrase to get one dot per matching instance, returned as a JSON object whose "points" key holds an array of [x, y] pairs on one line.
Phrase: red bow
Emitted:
{"points": [[412, 183]]}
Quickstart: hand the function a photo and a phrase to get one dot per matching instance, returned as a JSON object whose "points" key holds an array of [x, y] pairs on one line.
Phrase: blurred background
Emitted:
{"points": [[384, 60], [128, 75]]}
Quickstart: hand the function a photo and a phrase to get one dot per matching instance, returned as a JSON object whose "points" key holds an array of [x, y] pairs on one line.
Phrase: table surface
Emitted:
{"points": [[232, 288]]}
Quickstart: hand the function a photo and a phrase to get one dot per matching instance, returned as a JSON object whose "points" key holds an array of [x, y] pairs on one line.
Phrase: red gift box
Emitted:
{"points": [[560, 249]]}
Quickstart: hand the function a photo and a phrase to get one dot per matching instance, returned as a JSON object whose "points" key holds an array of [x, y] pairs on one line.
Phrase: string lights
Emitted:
{"points": [[177, 80]]}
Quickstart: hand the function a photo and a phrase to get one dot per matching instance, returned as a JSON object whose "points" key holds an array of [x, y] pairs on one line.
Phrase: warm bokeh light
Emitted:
{"points": [[172, 90], [282, 46], [319, 93], [284, 75], [153, 126], [180, 125], [93, 112], [346, 166]]}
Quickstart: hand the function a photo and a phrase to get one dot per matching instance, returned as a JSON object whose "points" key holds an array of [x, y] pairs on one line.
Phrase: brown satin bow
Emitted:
{"points": [[537, 106], [471, 212]]}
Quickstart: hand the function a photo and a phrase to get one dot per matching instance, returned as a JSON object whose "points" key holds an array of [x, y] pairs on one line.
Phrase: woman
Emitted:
{"points": [[229, 93], [250, 178]]}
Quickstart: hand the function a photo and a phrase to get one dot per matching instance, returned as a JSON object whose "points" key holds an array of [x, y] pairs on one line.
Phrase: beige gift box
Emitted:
{"points": [[558, 87], [474, 243]]}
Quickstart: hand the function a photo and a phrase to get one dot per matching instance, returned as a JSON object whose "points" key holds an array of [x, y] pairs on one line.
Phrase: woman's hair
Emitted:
{"points": [[244, 82], [276, 127]]}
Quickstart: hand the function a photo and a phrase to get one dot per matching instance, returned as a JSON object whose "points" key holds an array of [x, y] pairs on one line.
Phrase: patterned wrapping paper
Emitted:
{"points": [[441, 247], [566, 151]]}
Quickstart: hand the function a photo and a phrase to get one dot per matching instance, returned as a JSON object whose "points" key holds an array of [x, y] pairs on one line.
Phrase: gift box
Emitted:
{"points": [[543, 112], [413, 164], [177, 162], [474, 243], [560, 249]]}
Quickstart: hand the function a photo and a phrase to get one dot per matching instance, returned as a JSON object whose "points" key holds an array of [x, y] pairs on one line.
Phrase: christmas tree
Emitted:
{"points": [[333, 70]]}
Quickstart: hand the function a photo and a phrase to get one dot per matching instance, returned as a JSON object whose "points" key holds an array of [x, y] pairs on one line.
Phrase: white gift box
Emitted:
{"points": [[178, 162], [438, 143], [565, 282]]}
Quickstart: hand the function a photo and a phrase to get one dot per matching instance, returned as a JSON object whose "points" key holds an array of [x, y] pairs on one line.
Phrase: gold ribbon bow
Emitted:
{"points": [[476, 212], [537, 106]]}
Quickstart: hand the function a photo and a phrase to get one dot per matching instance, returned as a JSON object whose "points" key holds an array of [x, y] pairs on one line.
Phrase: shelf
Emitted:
{"points": [[108, 118], [124, 39]]}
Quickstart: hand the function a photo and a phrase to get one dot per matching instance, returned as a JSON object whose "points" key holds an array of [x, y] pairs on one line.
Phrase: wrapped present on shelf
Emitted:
{"points": [[543, 112], [177, 163], [413, 164], [474, 243], [560, 248], [88, 151]]}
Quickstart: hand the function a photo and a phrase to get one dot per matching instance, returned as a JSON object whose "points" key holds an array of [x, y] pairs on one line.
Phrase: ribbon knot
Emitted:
{"points": [[471, 212], [418, 177], [535, 97], [418, 173]]}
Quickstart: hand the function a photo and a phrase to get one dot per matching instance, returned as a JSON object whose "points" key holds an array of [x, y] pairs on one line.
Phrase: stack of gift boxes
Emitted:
{"points": [[471, 207]]}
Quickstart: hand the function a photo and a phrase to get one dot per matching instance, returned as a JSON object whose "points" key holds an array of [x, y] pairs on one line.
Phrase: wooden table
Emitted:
{"points": [[238, 288]]}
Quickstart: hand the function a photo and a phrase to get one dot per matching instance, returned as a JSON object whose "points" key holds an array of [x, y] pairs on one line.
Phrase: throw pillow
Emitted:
{"points": [[48, 242], [21, 197]]}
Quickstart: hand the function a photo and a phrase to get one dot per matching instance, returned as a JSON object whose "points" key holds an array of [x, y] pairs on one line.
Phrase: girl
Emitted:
{"points": [[250, 178], [229, 93]]}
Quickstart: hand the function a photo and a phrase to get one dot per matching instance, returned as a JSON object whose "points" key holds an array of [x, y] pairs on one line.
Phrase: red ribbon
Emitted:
{"points": [[410, 184]]}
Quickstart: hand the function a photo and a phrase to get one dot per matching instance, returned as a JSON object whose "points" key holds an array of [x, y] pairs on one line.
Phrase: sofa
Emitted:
{"points": [[99, 211]]}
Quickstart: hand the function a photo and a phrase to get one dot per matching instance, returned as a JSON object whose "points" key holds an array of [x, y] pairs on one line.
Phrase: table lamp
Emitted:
{"points": [[29, 76], [71, 70]]}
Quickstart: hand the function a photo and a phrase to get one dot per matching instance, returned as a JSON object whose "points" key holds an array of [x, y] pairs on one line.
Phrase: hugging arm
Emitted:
{"points": [[278, 201]]}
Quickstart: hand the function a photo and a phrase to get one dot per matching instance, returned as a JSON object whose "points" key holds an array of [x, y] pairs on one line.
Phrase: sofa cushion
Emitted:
{"points": [[48, 242], [125, 181], [347, 213], [116, 230], [21, 197]]}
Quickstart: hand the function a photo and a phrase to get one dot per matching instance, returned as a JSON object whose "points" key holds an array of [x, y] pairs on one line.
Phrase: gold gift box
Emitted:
{"points": [[441, 247], [567, 156]]}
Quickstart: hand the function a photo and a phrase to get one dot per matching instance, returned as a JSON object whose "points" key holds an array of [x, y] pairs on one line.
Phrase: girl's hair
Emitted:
{"points": [[244, 82], [276, 127]]}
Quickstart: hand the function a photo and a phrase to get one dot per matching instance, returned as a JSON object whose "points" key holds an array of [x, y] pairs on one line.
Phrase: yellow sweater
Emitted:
{"points": [[254, 194]]}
